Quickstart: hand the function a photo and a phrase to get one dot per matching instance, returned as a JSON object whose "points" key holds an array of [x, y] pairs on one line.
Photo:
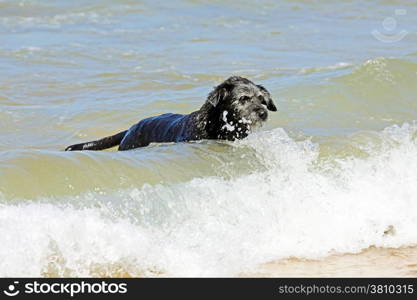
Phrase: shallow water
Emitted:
{"points": [[331, 172]]}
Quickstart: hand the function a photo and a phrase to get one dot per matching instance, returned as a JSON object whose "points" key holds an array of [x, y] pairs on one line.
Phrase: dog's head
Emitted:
{"points": [[235, 107]]}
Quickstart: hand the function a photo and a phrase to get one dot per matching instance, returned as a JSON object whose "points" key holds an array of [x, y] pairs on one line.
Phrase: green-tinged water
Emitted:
{"points": [[338, 159]]}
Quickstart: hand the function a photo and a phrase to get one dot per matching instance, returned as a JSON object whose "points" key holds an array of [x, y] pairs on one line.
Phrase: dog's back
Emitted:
{"points": [[160, 129]]}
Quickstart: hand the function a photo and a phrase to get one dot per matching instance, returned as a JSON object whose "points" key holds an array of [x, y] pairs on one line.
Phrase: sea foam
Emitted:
{"points": [[300, 205]]}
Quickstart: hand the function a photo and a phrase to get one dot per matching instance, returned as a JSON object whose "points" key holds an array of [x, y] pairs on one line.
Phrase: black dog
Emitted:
{"points": [[231, 111]]}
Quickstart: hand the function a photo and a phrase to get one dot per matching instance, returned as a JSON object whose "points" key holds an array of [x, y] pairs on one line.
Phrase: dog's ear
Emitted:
{"points": [[270, 105], [218, 94]]}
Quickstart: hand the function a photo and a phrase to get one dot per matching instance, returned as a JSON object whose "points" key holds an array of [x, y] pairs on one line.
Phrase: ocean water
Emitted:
{"points": [[334, 171]]}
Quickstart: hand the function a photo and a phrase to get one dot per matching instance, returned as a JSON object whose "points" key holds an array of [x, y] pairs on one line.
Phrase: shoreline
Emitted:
{"points": [[371, 262]]}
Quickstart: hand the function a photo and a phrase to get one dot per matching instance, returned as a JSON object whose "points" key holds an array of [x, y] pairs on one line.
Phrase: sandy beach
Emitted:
{"points": [[372, 262]]}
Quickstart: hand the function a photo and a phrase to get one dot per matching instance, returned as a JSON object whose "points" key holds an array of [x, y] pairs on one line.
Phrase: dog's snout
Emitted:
{"points": [[262, 113]]}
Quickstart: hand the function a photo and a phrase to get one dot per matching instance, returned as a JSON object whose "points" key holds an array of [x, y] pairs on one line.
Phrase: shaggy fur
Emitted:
{"points": [[231, 111]]}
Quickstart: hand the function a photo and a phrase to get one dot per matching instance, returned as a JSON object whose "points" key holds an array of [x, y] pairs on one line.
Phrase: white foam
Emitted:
{"points": [[338, 66], [228, 126], [299, 206]]}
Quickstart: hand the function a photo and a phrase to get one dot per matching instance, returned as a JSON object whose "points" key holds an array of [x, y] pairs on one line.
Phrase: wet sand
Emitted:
{"points": [[372, 262]]}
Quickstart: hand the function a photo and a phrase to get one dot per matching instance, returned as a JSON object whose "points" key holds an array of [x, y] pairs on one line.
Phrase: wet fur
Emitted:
{"points": [[231, 111]]}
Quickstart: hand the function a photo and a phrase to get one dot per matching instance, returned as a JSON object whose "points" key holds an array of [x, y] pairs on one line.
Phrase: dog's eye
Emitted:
{"points": [[244, 98]]}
